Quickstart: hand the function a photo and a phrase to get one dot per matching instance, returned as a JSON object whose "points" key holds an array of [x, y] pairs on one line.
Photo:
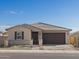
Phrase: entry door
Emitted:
{"points": [[35, 38]]}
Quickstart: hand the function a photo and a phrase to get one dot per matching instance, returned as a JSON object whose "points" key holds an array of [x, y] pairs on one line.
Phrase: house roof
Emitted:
{"points": [[41, 26], [45, 26], [25, 26]]}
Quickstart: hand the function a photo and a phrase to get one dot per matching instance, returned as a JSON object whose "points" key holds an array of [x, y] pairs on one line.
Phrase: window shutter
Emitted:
{"points": [[15, 35], [22, 35]]}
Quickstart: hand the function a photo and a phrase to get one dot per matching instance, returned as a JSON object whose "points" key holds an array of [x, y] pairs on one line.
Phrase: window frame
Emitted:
{"points": [[19, 35]]}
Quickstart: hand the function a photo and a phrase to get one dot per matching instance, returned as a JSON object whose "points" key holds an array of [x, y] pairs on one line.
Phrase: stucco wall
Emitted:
{"points": [[1, 40], [11, 35], [54, 31]]}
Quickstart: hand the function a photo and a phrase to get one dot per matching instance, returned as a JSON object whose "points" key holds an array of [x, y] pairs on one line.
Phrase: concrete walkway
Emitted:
{"points": [[39, 51], [44, 49]]}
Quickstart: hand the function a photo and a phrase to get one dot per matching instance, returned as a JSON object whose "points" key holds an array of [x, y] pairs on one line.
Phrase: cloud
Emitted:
{"points": [[2, 28], [12, 12]]}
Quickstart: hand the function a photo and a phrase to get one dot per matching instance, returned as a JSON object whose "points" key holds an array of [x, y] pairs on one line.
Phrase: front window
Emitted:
{"points": [[19, 35]]}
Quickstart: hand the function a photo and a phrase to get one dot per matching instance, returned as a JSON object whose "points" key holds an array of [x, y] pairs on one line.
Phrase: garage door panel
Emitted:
{"points": [[53, 38]]}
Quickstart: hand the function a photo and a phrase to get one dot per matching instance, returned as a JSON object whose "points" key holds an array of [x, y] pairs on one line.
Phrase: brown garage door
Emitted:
{"points": [[53, 38]]}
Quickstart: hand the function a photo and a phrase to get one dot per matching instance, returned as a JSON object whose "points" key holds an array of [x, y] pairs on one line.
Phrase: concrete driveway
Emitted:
{"points": [[54, 47]]}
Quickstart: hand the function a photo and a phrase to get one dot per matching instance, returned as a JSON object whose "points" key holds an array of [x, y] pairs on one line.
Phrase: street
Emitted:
{"points": [[39, 56]]}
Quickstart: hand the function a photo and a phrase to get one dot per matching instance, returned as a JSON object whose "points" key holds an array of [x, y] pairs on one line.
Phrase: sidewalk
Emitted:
{"points": [[39, 51]]}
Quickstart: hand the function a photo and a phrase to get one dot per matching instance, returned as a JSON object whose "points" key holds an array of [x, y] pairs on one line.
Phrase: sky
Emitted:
{"points": [[63, 13]]}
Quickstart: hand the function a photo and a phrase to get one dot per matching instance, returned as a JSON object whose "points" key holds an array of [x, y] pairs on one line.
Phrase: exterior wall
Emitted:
{"points": [[27, 36], [77, 43], [54, 31], [1, 40], [67, 37]]}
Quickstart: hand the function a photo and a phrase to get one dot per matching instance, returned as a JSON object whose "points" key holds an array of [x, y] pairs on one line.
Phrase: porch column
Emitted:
{"points": [[40, 38], [67, 37]]}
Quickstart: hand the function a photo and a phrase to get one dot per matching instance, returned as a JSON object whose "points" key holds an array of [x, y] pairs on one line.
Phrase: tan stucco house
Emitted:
{"points": [[38, 34]]}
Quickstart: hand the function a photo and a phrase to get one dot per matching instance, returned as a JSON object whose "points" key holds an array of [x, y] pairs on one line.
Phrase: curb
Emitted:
{"points": [[38, 51]]}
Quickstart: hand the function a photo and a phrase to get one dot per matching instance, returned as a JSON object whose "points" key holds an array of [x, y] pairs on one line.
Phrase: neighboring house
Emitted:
{"points": [[1, 33], [74, 38], [3, 37], [38, 34]]}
